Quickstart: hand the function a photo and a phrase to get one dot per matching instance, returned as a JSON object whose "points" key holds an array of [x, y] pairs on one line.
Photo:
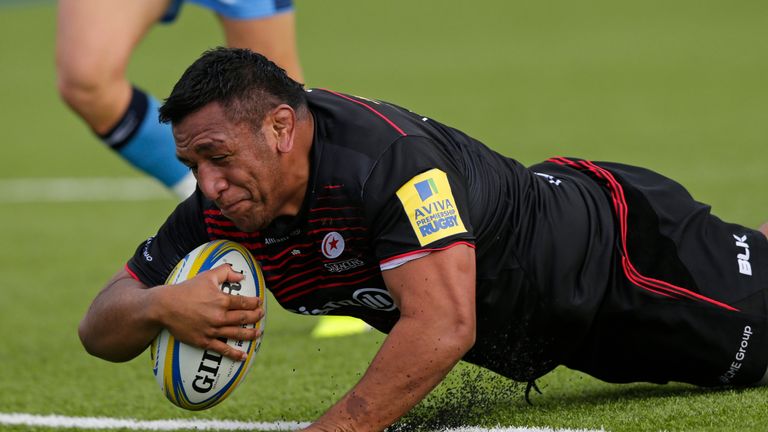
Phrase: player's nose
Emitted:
{"points": [[211, 181]]}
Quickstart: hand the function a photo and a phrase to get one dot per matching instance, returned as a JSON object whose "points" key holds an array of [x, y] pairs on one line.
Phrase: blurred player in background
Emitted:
{"points": [[94, 44]]}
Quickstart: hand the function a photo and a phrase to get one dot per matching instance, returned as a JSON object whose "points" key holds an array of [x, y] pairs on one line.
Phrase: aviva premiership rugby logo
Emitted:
{"points": [[430, 206]]}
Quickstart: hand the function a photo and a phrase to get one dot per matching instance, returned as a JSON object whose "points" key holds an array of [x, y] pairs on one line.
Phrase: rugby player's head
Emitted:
{"points": [[246, 84], [244, 129]]}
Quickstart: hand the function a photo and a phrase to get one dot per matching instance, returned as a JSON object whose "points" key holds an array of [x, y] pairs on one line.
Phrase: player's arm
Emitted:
{"points": [[125, 316], [436, 298]]}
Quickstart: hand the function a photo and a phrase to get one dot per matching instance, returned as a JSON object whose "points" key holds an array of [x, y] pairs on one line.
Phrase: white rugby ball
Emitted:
{"points": [[197, 379]]}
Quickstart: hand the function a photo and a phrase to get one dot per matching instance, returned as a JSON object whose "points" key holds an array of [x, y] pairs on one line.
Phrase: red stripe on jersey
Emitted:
{"points": [[289, 249], [317, 209], [284, 267], [219, 222], [290, 288], [620, 206], [248, 245], [268, 262], [238, 234], [373, 110], [392, 258], [330, 229], [130, 272], [212, 212], [282, 280], [332, 219], [317, 287]]}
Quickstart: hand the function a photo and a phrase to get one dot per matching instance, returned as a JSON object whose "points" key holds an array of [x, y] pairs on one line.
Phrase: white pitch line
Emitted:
{"points": [[64, 422], [66, 189]]}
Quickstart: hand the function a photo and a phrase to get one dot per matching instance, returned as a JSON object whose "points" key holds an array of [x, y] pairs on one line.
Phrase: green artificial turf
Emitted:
{"points": [[679, 87]]}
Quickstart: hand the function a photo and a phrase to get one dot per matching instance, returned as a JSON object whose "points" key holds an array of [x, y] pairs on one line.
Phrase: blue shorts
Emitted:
{"points": [[234, 9]]}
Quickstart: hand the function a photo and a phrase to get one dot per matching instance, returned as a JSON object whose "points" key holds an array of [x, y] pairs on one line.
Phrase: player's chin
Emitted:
{"points": [[249, 223], [241, 215]]}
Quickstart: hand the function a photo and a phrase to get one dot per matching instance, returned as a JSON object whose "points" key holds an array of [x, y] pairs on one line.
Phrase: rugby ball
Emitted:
{"points": [[197, 379]]}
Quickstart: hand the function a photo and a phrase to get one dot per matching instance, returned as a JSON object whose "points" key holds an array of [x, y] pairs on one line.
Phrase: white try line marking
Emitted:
{"points": [[31, 190], [63, 422]]}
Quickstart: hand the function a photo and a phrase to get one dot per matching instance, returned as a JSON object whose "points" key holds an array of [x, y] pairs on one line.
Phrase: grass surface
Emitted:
{"points": [[679, 87]]}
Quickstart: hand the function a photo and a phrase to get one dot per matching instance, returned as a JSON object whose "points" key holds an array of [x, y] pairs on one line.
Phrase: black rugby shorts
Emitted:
{"points": [[687, 300]]}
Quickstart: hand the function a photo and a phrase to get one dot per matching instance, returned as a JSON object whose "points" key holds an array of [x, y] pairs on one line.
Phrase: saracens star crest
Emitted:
{"points": [[333, 245]]}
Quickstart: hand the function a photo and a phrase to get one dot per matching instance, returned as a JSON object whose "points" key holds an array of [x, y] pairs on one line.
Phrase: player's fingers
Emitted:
{"points": [[225, 350], [238, 302], [240, 317], [225, 273], [239, 333], [235, 275]]}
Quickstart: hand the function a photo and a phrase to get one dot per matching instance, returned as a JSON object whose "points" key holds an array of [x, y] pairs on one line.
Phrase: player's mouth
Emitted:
{"points": [[232, 208]]}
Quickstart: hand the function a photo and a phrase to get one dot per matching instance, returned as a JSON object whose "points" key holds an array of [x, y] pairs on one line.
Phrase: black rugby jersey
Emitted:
{"points": [[388, 184]]}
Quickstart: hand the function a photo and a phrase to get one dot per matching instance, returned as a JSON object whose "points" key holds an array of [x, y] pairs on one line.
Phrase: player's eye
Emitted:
{"points": [[219, 158]]}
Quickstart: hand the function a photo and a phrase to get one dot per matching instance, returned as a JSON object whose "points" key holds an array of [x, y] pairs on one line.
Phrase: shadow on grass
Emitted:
{"points": [[599, 393]]}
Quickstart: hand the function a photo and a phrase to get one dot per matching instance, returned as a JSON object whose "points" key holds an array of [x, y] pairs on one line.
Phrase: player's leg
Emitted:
{"points": [[94, 42], [692, 289], [273, 36], [764, 381]]}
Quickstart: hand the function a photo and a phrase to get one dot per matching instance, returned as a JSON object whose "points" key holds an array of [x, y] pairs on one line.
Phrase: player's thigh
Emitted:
{"points": [[95, 38], [273, 36]]}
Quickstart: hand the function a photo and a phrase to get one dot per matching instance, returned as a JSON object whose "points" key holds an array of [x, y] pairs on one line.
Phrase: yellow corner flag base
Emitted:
{"points": [[335, 326]]}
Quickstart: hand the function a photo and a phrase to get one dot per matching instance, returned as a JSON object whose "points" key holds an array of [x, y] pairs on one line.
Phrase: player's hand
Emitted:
{"points": [[197, 313]]}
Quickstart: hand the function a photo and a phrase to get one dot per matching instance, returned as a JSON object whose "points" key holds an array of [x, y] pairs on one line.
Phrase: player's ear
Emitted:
{"points": [[283, 127]]}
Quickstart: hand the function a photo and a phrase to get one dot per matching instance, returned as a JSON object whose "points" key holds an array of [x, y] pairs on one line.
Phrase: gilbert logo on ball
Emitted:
{"points": [[193, 378]]}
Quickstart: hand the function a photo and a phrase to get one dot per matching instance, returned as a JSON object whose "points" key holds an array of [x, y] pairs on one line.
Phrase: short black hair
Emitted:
{"points": [[245, 83]]}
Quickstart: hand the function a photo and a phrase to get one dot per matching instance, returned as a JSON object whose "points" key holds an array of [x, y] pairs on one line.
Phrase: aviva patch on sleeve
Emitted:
{"points": [[431, 209]]}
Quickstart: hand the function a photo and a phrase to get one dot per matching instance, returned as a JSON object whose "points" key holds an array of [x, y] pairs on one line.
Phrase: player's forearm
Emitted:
{"points": [[118, 325], [410, 363]]}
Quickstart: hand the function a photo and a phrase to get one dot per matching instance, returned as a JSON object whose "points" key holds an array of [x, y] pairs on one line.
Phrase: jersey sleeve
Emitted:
{"points": [[183, 231], [416, 201]]}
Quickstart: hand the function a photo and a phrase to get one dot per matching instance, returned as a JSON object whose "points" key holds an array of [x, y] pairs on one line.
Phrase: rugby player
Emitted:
{"points": [[359, 207], [95, 40]]}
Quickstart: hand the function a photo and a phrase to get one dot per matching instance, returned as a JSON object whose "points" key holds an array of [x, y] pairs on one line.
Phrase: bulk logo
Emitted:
{"points": [[430, 206], [745, 267]]}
